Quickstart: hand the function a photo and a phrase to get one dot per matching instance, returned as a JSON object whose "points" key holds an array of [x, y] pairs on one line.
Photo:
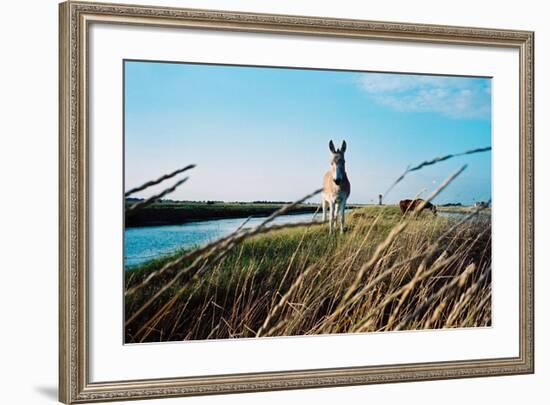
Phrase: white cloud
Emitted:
{"points": [[455, 97]]}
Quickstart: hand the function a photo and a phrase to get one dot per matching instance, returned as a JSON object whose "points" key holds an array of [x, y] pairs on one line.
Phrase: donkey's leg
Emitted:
{"points": [[331, 215], [324, 210], [342, 207], [337, 218], [336, 211]]}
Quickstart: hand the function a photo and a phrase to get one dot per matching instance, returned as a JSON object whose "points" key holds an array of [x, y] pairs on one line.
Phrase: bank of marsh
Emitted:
{"points": [[384, 273]]}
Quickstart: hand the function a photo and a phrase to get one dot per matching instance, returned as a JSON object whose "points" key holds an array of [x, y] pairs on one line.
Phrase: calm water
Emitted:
{"points": [[145, 243]]}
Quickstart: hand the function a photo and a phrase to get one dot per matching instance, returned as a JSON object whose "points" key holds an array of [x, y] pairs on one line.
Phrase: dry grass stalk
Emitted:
{"points": [[158, 181], [457, 282], [142, 204], [432, 162]]}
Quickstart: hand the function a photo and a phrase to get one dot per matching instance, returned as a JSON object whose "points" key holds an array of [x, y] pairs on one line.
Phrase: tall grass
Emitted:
{"points": [[387, 272], [302, 280]]}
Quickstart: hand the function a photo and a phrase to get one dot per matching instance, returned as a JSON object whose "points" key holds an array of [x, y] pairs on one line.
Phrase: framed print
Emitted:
{"points": [[254, 202]]}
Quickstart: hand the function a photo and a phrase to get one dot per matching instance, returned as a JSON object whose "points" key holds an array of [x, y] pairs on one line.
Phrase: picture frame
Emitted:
{"points": [[76, 18]]}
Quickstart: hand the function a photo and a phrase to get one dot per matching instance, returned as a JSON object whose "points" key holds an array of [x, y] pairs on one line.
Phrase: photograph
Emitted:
{"points": [[288, 201], [279, 200]]}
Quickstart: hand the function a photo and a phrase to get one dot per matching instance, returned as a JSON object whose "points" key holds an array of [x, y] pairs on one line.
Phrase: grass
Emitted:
{"points": [[386, 272]]}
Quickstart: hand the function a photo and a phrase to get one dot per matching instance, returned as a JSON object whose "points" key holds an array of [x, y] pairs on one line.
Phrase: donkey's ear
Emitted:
{"points": [[331, 147], [343, 148]]}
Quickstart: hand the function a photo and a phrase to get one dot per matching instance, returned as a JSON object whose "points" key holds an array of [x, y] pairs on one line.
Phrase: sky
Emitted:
{"points": [[258, 133]]}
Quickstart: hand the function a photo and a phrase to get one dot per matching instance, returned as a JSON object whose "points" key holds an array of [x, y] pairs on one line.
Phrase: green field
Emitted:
{"points": [[384, 273]]}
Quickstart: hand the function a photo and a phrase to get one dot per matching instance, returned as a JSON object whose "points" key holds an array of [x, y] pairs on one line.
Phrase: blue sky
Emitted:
{"points": [[263, 133]]}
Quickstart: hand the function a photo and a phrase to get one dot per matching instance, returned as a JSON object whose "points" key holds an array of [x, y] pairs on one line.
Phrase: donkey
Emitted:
{"points": [[336, 187]]}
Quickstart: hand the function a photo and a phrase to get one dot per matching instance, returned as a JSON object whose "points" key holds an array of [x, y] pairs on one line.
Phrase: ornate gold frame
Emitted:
{"points": [[75, 18]]}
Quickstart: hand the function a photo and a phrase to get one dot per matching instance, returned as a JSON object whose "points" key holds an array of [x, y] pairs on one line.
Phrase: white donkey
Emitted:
{"points": [[336, 187]]}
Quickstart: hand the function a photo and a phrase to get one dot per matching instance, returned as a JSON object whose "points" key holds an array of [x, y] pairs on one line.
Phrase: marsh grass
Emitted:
{"points": [[302, 280]]}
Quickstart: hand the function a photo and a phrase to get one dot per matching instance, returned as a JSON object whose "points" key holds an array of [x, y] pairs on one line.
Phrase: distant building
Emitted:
{"points": [[379, 199]]}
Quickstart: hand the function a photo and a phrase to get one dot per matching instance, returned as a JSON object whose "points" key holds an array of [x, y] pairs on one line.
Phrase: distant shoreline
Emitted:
{"points": [[178, 213]]}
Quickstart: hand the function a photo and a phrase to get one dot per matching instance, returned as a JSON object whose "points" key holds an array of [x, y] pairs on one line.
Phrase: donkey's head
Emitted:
{"points": [[337, 162]]}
